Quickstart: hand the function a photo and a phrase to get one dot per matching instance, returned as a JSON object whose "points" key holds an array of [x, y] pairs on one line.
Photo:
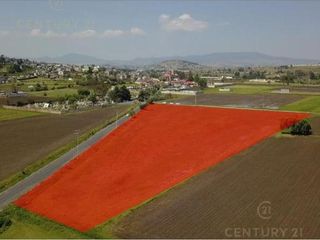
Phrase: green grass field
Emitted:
{"points": [[242, 89], [308, 104], [28, 225], [9, 114], [55, 93], [56, 88]]}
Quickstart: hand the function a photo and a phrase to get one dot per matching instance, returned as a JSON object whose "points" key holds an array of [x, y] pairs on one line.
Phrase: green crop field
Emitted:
{"points": [[242, 89], [308, 104], [55, 93], [28, 225], [9, 114]]}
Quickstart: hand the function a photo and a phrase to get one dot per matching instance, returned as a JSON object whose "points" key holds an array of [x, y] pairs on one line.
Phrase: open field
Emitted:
{"points": [[25, 141], [9, 114], [308, 104], [25, 85], [223, 201], [242, 89], [55, 93], [160, 147], [272, 101]]}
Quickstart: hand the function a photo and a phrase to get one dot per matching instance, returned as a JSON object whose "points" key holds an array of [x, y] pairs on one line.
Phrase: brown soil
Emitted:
{"points": [[222, 202], [272, 101], [25, 141]]}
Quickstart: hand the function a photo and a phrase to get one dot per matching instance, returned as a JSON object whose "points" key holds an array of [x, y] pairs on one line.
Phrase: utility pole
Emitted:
{"points": [[76, 132], [117, 119]]}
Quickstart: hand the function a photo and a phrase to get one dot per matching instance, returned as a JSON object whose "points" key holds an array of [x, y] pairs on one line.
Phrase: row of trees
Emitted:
{"points": [[119, 94], [149, 94]]}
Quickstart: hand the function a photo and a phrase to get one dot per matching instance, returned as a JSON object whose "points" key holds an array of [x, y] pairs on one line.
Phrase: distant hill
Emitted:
{"points": [[177, 65], [245, 59], [222, 59], [73, 58]]}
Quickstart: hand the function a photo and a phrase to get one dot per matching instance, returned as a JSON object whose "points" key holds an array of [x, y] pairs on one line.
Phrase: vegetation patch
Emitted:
{"points": [[308, 104], [242, 89], [23, 224], [10, 114]]}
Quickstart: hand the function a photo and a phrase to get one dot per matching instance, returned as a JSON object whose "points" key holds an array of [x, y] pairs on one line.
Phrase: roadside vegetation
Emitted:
{"points": [[19, 223]]}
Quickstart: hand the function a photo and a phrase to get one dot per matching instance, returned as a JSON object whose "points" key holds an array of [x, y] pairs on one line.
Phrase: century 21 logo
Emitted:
{"points": [[264, 210]]}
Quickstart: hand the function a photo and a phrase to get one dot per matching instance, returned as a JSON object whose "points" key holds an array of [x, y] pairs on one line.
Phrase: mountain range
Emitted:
{"points": [[219, 59]]}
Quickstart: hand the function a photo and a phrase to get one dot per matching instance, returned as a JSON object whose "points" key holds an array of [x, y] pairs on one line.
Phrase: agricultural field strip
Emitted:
{"points": [[23, 186], [10, 114], [239, 108]]}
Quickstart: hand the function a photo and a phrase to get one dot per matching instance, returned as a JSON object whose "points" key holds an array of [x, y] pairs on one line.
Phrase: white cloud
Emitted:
{"points": [[84, 34], [113, 33], [49, 34], [182, 23], [4, 33], [137, 31], [118, 33], [35, 32], [134, 31]]}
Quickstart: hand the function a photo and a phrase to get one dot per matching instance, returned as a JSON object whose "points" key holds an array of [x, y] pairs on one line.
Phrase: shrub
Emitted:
{"points": [[143, 105], [84, 92], [131, 113], [5, 222], [301, 128]]}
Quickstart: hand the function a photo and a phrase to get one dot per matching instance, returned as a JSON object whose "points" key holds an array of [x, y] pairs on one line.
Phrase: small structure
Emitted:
{"points": [[284, 90], [224, 89], [218, 84], [3, 80]]}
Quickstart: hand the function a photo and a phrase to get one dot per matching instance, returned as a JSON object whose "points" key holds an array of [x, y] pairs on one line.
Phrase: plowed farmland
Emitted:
{"points": [[223, 201], [160, 147], [24, 141]]}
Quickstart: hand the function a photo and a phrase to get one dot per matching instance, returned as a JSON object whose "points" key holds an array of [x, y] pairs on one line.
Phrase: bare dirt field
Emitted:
{"points": [[25, 141], [268, 191], [272, 101]]}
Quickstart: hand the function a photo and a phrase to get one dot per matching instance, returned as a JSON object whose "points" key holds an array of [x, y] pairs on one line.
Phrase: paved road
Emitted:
{"points": [[29, 182]]}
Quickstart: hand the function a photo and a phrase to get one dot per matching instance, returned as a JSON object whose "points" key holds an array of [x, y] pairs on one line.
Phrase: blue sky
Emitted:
{"points": [[130, 29]]}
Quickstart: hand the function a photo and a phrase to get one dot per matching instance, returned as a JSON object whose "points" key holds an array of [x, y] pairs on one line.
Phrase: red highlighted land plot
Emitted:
{"points": [[158, 148]]}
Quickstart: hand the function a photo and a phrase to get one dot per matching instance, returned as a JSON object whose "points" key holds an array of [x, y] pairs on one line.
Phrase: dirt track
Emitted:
{"points": [[216, 204], [25, 141], [241, 100]]}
